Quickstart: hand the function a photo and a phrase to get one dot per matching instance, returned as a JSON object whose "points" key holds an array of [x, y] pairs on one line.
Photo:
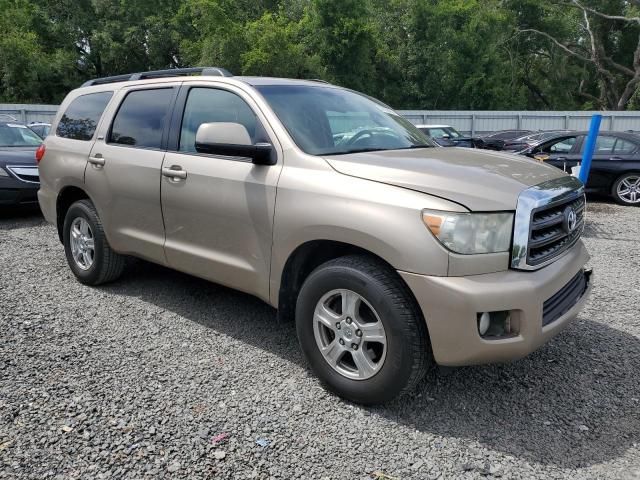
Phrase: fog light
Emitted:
{"points": [[483, 323], [495, 324]]}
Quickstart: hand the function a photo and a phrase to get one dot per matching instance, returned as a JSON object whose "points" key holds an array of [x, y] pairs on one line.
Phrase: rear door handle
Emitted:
{"points": [[615, 158], [174, 172], [96, 160]]}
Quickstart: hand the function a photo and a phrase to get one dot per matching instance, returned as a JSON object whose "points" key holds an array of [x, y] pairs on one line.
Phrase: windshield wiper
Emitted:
{"points": [[421, 145]]}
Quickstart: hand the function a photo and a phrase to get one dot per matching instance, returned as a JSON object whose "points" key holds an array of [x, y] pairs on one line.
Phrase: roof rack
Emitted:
{"points": [[172, 72]]}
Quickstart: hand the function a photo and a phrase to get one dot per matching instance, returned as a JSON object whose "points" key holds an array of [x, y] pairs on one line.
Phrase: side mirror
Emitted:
{"points": [[232, 139], [446, 137]]}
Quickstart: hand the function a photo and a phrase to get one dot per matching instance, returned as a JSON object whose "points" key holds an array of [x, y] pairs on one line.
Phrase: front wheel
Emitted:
{"points": [[626, 189], [361, 330]]}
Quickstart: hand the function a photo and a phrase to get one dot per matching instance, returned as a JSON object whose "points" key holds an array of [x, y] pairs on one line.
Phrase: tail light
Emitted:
{"points": [[40, 152]]}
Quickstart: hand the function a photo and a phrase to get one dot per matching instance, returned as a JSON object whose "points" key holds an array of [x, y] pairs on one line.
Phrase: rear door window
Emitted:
{"points": [[80, 120], [624, 147], [141, 118]]}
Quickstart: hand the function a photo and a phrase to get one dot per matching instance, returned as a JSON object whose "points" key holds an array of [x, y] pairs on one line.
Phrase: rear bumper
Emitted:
{"points": [[451, 304], [47, 201]]}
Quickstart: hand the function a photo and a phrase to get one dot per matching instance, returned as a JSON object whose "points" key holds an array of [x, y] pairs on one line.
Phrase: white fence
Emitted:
{"points": [[478, 122], [28, 113], [469, 122]]}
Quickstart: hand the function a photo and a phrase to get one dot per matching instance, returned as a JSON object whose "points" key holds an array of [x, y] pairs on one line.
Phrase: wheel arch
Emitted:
{"points": [[306, 258], [67, 197]]}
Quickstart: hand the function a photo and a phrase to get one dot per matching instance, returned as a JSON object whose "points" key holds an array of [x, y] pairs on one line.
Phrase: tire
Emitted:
{"points": [[103, 265], [629, 182], [405, 356]]}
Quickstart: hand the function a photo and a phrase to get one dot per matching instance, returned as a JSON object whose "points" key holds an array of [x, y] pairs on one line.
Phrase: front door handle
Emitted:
{"points": [[615, 158], [97, 160], [174, 172]]}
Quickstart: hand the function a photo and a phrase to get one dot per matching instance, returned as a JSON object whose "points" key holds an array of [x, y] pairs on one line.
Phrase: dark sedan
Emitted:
{"points": [[497, 140], [446, 136], [19, 179], [520, 143], [615, 169]]}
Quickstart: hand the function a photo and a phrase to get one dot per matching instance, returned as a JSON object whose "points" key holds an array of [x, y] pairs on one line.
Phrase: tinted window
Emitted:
{"points": [[41, 130], [209, 105], [141, 118], [604, 145], [624, 146], [81, 119], [561, 146]]}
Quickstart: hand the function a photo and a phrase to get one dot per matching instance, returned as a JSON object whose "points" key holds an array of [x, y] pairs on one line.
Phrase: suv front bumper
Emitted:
{"points": [[451, 305]]}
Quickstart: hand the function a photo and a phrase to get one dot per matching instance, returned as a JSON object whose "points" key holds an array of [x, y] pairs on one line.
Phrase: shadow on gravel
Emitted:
{"points": [[573, 403], [221, 309], [20, 217]]}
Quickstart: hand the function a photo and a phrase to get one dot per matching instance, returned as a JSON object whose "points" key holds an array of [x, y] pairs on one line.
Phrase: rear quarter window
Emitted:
{"points": [[80, 120]]}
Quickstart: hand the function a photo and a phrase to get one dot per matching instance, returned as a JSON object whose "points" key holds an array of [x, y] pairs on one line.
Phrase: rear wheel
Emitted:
{"points": [[88, 253], [626, 189], [361, 330]]}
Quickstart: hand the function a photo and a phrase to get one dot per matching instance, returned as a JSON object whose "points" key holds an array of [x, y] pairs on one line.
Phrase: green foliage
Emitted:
{"points": [[434, 54]]}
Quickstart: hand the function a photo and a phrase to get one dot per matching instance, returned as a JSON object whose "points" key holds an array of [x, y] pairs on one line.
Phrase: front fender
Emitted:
{"points": [[382, 219]]}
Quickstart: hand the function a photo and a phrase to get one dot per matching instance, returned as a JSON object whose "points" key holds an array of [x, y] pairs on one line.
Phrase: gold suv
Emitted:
{"points": [[391, 253]]}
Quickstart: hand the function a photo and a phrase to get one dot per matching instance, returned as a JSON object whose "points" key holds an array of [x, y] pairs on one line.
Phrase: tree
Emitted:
{"points": [[345, 42], [608, 41]]}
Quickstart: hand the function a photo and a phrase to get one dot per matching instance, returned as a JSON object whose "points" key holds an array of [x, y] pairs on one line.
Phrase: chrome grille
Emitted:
{"points": [[549, 234], [549, 220]]}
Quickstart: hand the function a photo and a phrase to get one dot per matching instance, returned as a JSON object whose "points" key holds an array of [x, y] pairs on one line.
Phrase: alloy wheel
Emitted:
{"points": [[629, 189], [349, 334], [82, 243]]}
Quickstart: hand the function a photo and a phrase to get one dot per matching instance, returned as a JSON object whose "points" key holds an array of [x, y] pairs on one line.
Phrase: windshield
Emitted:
{"points": [[333, 121], [16, 135], [440, 132], [453, 133]]}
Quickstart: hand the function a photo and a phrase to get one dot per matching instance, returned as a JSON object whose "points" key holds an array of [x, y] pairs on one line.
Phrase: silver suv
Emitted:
{"points": [[392, 254]]}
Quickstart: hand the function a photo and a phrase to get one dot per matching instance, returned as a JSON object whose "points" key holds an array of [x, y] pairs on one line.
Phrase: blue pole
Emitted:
{"points": [[589, 148]]}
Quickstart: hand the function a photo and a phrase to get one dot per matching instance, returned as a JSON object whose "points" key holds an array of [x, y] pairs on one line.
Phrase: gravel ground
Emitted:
{"points": [[143, 378]]}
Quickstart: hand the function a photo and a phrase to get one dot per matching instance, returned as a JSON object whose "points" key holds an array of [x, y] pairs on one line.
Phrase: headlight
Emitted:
{"points": [[470, 233]]}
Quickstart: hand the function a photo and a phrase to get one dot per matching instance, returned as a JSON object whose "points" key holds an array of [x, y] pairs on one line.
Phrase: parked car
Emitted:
{"points": [[41, 128], [389, 254], [497, 140], [520, 143], [19, 179], [446, 136], [615, 169]]}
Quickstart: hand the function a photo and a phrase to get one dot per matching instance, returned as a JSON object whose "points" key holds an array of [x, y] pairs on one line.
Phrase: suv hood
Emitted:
{"points": [[478, 179]]}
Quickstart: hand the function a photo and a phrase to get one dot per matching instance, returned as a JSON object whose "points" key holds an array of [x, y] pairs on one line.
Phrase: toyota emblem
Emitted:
{"points": [[570, 219]]}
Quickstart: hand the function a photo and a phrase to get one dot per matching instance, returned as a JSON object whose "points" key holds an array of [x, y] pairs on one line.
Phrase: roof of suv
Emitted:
{"points": [[195, 74]]}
